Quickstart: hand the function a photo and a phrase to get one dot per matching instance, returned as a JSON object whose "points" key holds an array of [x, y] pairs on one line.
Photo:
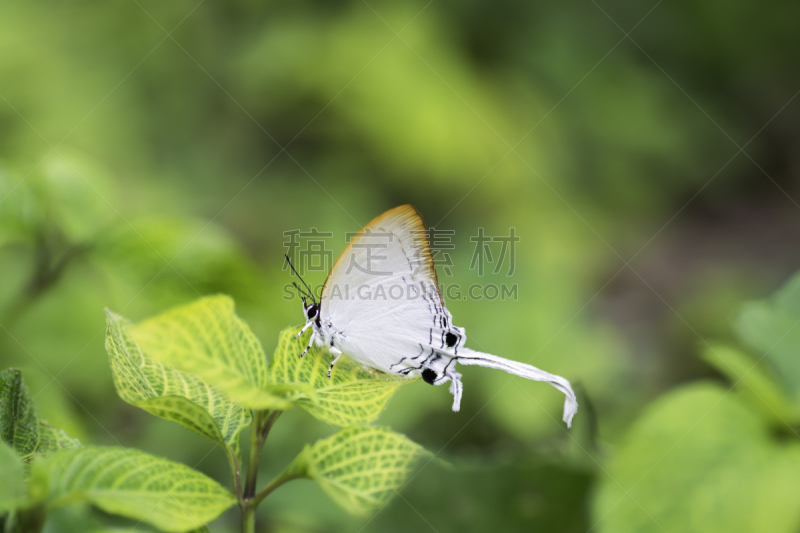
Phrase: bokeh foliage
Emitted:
{"points": [[361, 467], [140, 171]]}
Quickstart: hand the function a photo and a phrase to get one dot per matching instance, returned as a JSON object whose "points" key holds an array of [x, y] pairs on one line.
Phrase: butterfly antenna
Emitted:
{"points": [[300, 290], [310, 293]]}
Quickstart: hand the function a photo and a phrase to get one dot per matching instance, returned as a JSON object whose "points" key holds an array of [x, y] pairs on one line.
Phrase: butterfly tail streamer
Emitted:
{"points": [[470, 357], [456, 388]]}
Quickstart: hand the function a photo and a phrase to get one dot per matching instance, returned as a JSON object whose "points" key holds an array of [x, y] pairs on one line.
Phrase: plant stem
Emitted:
{"points": [[255, 452], [236, 472], [277, 482], [29, 520], [46, 273], [259, 430], [268, 425], [249, 519]]}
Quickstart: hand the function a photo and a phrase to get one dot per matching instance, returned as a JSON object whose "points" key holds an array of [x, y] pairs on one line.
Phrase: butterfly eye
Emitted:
{"points": [[311, 311], [429, 376]]}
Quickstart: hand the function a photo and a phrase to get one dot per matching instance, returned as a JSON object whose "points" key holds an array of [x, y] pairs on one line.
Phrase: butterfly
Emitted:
{"points": [[381, 305]]}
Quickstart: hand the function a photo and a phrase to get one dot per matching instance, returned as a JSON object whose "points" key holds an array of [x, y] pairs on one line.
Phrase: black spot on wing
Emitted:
{"points": [[451, 339], [429, 376]]}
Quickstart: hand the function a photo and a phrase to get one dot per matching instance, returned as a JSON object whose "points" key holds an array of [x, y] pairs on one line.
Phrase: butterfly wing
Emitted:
{"points": [[382, 295], [392, 247], [383, 305]]}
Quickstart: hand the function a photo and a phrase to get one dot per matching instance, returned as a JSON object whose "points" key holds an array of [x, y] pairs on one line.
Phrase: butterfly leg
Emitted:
{"points": [[338, 353], [305, 327], [310, 343]]}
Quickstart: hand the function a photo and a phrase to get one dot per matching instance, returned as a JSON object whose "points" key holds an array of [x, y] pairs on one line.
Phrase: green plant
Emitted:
{"points": [[727, 457], [200, 365]]}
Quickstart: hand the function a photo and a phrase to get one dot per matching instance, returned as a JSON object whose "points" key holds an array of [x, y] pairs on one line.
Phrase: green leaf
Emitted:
{"points": [[203, 529], [207, 339], [169, 393], [130, 530], [212, 261], [76, 200], [22, 218], [13, 491], [131, 483], [353, 395], [19, 425], [38, 483], [360, 468], [772, 329], [51, 439], [700, 460], [752, 382]]}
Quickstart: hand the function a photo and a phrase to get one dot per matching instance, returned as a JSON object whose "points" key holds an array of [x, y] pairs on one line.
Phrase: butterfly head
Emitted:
{"points": [[311, 310]]}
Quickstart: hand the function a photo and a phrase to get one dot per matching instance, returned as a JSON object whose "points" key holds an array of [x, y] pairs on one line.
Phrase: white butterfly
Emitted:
{"points": [[381, 305]]}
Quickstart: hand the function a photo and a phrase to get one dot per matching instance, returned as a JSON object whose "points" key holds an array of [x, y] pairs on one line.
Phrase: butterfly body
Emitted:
{"points": [[381, 306]]}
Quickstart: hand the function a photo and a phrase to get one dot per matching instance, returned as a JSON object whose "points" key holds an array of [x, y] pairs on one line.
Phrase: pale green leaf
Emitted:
{"points": [[169, 393], [700, 460], [12, 479], [19, 425], [360, 468], [752, 382], [353, 394], [131, 483], [51, 439], [207, 339]]}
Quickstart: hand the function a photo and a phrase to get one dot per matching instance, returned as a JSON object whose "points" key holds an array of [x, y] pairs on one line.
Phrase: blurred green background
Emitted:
{"points": [[153, 151]]}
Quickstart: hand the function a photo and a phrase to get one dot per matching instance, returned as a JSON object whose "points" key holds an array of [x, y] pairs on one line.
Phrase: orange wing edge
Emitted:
{"points": [[405, 213]]}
